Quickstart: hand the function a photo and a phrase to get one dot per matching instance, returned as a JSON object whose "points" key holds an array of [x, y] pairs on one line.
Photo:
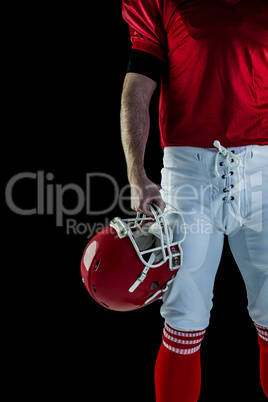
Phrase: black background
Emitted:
{"points": [[64, 70]]}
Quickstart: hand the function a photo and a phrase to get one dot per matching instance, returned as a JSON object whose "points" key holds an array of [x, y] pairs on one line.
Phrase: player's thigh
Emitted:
{"points": [[188, 302], [249, 246]]}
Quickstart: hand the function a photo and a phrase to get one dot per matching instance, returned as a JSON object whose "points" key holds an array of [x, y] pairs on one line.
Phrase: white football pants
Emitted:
{"points": [[219, 191]]}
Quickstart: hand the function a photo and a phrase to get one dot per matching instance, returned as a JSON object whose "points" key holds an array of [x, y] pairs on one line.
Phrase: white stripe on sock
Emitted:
{"points": [[182, 351]]}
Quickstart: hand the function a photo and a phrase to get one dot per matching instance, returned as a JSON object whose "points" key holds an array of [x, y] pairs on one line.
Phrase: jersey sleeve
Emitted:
{"points": [[145, 20]]}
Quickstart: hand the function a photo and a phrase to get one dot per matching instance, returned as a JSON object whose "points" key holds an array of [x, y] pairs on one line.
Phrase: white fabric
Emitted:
{"points": [[218, 195]]}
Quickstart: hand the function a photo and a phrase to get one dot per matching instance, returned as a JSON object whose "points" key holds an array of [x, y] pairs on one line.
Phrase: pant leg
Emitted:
{"points": [[249, 244], [186, 185], [188, 302], [251, 256]]}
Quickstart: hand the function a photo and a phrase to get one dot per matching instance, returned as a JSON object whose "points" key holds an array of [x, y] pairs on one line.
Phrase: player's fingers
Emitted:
{"points": [[145, 209], [144, 196], [144, 205], [160, 203]]}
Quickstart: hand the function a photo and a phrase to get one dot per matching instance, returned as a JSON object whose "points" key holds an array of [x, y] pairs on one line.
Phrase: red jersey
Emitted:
{"points": [[216, 86]]}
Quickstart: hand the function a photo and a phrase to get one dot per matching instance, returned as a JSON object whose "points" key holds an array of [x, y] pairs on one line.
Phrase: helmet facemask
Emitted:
{"points": [[152, 239]]}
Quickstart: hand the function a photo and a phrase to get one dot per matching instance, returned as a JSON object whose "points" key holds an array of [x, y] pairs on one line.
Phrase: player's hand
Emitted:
{"points": [[143, 193]]}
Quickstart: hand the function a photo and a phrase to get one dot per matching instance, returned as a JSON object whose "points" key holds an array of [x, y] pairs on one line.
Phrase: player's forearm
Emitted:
{"points": [[135, 123]]}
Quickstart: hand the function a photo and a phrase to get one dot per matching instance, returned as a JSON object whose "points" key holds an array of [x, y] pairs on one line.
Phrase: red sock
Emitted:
{"points": [[263, 342], [178, 369]]}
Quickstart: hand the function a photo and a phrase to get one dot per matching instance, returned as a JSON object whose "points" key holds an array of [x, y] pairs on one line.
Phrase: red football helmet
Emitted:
{"points": [[132, 262]]}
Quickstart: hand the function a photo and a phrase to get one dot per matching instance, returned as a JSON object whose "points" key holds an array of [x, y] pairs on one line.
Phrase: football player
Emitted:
{"points": [[210, 58]]}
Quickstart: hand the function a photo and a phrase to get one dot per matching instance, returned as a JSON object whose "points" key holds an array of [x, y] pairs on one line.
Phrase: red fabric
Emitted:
{"points": [[178, 368], [146, 27], [217, 81], [263, 342], [264, 365], [177, 377]]}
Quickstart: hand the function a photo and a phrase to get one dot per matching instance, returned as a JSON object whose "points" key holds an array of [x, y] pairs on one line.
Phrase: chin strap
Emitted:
{"points": [[143, 274], [162, 290]]}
